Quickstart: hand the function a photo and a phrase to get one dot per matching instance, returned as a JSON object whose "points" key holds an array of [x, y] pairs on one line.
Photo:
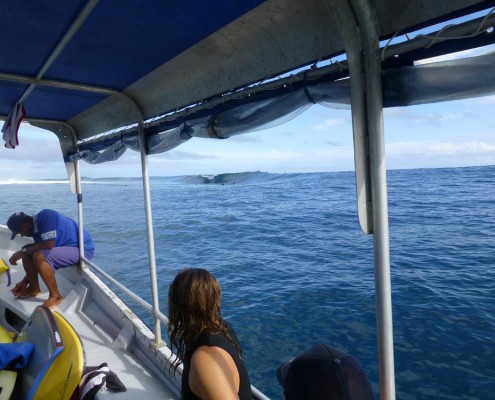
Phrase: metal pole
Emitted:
{"points": [[76, 25], [79, 212], [383, 289], [381, 245], [148, 307], [358, 26], [149, 230], [369, 31]]}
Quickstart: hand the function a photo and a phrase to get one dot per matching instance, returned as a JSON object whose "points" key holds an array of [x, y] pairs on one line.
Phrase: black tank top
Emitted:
{"points": [[217, 340]]}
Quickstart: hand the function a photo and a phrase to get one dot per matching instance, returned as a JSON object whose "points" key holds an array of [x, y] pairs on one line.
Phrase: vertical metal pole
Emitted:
{"points": [[378, 175], [381, 246], [149, 230], [358, 26], [383, 289], [79, 212]]}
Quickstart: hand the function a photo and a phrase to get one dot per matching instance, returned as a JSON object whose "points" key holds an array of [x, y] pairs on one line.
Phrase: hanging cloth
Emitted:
{"points": [[12, 124]]}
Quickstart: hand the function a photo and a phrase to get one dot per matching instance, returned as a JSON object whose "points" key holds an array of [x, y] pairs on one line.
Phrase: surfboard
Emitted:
{"points": [[7, 383], [56, 365], [7, 378], [6, 336], [41, 330], [65, 373]]}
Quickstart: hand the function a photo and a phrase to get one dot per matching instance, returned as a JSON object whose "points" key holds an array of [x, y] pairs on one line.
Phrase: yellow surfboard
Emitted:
{"points": [[65, 373], [7, 383], [7, 378], [6, 336], [56, 364]]}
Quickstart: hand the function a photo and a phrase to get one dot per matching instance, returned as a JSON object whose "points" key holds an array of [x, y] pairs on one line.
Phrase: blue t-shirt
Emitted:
{"points": [[50, 224]]}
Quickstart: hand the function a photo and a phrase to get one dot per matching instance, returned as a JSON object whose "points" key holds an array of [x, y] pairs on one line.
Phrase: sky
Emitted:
{"points": [[453, 134], [449, 134]]}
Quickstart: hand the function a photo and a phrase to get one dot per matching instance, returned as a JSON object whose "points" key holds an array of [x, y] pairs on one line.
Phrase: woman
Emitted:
{"points": [[203, 341]]}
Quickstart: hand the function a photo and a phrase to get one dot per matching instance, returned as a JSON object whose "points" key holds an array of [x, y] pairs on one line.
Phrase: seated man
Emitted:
{"points": [[56, 245], [324, 373]]}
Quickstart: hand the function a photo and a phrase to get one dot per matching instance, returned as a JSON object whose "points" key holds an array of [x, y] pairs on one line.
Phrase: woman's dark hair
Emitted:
{"points": [[194, 300]]}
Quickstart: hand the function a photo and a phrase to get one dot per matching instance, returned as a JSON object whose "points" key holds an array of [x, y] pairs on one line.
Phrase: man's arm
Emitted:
{"points": [[30, 249]]}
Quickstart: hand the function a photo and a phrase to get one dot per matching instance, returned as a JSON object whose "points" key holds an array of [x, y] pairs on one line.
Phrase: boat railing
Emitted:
{"points": [[257, 395], [148, 307]]}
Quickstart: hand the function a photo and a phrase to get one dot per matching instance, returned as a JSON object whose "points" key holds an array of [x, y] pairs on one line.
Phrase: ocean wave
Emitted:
{"points": [[230, 178], [34, 182]]}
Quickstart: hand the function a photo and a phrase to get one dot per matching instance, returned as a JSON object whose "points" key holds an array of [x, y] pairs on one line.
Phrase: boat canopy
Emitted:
{"points": [[109, 75], [93, 71]]}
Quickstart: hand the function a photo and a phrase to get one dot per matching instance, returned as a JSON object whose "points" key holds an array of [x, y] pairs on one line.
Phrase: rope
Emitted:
{"points": [[438, 36]]}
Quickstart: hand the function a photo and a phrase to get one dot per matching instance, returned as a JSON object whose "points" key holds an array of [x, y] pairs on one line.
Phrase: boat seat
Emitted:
{"points": [[57, 361]]}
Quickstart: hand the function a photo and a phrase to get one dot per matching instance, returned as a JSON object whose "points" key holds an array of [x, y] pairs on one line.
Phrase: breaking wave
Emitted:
{"points": [[230, 178]]}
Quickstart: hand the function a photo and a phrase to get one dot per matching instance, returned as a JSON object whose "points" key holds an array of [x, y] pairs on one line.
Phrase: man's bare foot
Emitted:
{"points": [[20, 294], [19, 287], [53, 301]]}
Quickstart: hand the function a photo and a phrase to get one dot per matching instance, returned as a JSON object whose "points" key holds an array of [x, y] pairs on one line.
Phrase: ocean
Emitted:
{"points": [[296, 269]]}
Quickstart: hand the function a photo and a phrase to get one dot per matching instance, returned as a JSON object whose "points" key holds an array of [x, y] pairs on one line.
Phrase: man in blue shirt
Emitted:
{"points": [[56, 245]]}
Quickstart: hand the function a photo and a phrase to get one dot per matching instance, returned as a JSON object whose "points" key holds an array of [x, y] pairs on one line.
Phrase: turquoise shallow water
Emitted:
{"points": [[296, 269]]}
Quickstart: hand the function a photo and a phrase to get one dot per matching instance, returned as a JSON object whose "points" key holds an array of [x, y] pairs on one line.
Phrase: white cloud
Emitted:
{"points": [[440, 117], [186, 155], [29, 150], [438, 148], [398, 112], [271, 155], [445, 116], [438, 154], [420, 117], [246, 139], [330, 123]]}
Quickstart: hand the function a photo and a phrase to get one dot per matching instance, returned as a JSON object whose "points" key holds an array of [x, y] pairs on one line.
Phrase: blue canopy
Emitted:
{"points": [[90, 70]]}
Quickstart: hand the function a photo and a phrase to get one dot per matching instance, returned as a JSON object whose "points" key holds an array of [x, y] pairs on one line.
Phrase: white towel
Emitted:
{"points": [[11, 126]]}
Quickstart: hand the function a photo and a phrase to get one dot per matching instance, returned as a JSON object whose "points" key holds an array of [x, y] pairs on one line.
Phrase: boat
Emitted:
{"points": [[110, 76]]}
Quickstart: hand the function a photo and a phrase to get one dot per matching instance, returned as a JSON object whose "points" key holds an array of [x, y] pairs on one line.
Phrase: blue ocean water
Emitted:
{"points": [[296, 269]]}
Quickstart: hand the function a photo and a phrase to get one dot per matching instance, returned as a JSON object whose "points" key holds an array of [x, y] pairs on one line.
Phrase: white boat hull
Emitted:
{"points": [[110, 332]]}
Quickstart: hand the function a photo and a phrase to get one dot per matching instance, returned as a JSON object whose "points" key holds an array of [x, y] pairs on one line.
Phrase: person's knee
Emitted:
{"points": [[39, 259]]}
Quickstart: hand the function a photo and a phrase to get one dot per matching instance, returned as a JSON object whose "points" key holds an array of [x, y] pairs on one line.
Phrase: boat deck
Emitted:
{"points": [[103, 339]]}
